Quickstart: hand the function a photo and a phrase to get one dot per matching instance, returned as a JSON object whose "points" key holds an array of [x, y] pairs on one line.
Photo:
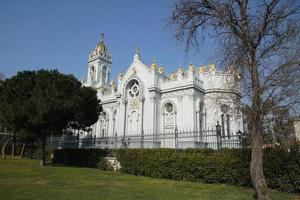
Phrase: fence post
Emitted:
{"points": [[123, 143], [94, 141], [116, 140], [219, 140], [176, 138], [142, 139], [241, 138]]}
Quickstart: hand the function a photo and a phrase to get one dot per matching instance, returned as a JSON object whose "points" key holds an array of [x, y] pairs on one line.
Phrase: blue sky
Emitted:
{"points": [[60, 34]]}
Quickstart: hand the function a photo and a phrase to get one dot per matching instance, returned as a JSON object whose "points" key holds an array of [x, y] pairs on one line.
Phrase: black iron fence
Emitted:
{"points": [[165, 139]]}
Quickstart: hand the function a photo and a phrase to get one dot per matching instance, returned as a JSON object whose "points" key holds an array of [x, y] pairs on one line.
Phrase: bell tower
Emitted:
{"points": [[99, 65]]}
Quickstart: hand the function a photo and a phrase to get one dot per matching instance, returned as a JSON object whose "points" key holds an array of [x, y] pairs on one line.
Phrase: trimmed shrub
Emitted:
{"points": [[282, 168], [79, 157], [231, 166]]}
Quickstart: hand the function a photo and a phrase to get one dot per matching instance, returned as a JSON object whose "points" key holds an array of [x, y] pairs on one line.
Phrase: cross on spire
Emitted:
{"points": [[137, 51], [137, 54], [102, 37]]}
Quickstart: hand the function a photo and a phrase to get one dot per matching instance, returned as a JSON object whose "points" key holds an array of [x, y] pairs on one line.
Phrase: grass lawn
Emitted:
{"points": [[24, 179]]}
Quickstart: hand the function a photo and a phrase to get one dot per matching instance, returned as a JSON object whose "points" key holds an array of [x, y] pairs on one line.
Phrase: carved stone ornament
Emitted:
{"points": [[212, 67], [134, 104], [153, 67], [191, 68], [161, 70], [133, 73], [181, 70], [172, 76], [202, 69]]}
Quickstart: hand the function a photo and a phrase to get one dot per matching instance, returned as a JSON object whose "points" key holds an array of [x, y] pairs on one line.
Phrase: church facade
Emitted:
{"points": [[145, 101]]}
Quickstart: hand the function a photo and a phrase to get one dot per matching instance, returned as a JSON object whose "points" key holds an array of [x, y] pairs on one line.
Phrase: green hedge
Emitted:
{"points": [[281, 168], [79, 157], [227, 166]]}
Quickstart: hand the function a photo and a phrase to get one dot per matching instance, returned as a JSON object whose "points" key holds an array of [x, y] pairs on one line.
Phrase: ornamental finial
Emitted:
{"points": [[161, 70], [202, 69], [191, 67], [153, 65], [212, 68]]}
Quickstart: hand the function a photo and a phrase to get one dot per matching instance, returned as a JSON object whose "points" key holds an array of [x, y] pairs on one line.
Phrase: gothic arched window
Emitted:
{"points": [[225, 120], [228, 125], [92, 74], [104, 74], [169, 116], [201, 116], [114, 124], [223, 125], [169, 107], [104, 119]]}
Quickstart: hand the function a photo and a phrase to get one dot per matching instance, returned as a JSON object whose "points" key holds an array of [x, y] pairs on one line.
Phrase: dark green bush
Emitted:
{"points": [[79, 157], [281, 168]]}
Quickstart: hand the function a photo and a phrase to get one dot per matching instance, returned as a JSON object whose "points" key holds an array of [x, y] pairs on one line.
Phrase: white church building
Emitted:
{"points": [[148, 108]]}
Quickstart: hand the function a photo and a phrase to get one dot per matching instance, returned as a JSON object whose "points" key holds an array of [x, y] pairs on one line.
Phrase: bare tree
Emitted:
{"points": [[2, 77], [261, 40]]}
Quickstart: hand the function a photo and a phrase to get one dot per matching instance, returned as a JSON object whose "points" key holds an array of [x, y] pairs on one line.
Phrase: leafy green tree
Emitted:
{"points": [[45, 102], [24, 137], [15, 103], [87, 108]]}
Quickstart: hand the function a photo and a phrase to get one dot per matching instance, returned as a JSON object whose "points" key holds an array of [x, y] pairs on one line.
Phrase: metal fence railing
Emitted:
{"points": [[176, 139]]}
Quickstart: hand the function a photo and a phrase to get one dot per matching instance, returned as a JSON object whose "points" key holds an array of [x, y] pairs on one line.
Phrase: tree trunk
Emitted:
{"points": [[3, 149], [22, 150], [256, 165], [43, 151], [13, 146]]}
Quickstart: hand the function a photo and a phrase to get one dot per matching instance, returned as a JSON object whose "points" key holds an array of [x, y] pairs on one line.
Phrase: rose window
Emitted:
{"points": [[169, 107], [134, 90]]}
